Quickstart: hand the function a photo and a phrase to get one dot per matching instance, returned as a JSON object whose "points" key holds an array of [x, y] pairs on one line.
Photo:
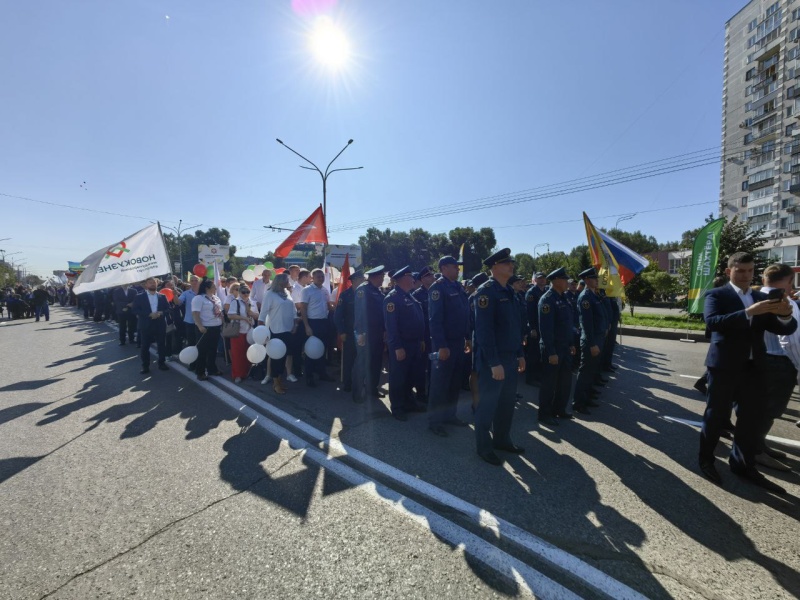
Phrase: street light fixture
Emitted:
{"points": [[625, 218], [178, 233], [324, 175], [542, 244]]}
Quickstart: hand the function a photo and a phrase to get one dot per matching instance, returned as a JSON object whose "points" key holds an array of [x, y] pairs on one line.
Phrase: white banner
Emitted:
{"points": [[134, 259], [213, 254], [337, 253]]}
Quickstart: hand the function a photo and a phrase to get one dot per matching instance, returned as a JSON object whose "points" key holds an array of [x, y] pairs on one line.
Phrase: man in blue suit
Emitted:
{"points": [[150, 309], [737, 318], [123, 303]]}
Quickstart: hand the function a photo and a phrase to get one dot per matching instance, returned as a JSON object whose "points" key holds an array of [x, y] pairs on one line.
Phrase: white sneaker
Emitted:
{"points": [[266, 380], [292, 378], [237, 380]]}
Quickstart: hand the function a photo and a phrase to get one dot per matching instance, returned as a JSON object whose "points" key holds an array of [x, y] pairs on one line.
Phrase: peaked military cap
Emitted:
{"points": [[538, 275], [415, 275], [501, 256], [425, 271], [448, 260], [514, 279], [589, 273], [355, 275], [376, 271], [560, 273], [480, 279], [400, 272]]}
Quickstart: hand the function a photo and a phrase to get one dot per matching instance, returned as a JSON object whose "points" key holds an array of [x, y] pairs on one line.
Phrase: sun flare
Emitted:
{"points": [[329, 44]]}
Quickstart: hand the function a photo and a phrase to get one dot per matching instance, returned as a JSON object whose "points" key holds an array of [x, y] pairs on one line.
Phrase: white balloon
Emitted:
{"points": [[248, 276], [259, 269], [260, 334], [314, 348], [250, 339], [256, 353], [188, 355], [276, 349]]}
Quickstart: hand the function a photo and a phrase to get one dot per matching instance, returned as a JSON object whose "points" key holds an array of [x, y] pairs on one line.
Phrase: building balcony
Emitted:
{"points": [[766, 133], [762, 184], [794, 227], [765, 115]]}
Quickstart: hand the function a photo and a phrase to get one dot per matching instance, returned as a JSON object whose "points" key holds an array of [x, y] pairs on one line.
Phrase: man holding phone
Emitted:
{"points": [[737, 318], [781, 364]]}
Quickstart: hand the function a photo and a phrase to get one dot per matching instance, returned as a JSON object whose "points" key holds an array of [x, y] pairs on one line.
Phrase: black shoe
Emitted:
{"points": [[202, 377], [565, 416], [519, 396], [163, 367], [438, 430], [592, 404], [708, 469], [144, 371], [581, 409], [510, 448], [549, 421], [700, 386], [376, 393], [122, 343], [754, 476], [491, 458], [457, 423], [400, 415], [347, 388], [310, 382], [416, 408], [326, 377]]}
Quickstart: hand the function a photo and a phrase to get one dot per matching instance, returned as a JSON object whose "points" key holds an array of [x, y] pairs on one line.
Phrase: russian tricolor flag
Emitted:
{"points": [[630, 263]]}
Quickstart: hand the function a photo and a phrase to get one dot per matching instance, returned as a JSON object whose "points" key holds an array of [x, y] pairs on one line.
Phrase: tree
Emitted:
{"points": [[738, 237], [550, 261], [636, 241], [663, 284], [525, 265], [190, 243], [477, 246], [8, 276], [638, 292]]}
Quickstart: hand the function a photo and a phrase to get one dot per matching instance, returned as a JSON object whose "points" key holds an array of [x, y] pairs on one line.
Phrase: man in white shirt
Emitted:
{"points": [[781, 365], [315, 304], [260, 287]]}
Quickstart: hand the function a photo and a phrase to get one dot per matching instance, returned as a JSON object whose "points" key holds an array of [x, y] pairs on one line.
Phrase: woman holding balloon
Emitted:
{"points": [[277, 308], [238, 307], [207, 315]]}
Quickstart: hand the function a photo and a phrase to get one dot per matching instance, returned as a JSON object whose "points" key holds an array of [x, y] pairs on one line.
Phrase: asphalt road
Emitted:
{"points": [[115, 485]]}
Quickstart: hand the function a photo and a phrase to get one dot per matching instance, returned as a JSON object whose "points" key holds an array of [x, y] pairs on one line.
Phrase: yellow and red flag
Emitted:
{"points": [[603, 260]]}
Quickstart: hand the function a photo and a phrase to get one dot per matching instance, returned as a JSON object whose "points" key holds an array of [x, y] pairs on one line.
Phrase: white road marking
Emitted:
{"points": [[690, 376], [770, 438]]}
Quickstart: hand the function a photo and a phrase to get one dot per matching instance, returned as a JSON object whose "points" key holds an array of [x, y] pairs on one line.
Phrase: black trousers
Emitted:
{"points": [[152, 332], [127, 325], [207, 351], [348, 359]]}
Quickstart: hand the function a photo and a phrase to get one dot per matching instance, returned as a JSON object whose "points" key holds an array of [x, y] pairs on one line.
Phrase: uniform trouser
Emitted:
{"points": [[88, 308], [589, 369], [556, 384], [348, 359], [743, 389], [446, 376], [422, 375], [367, 369], [402, 375], [316, 366], [147, 335], [608, 347], [778, 387], [533, 360], [497, 400], [42, 309], [127, 324]]}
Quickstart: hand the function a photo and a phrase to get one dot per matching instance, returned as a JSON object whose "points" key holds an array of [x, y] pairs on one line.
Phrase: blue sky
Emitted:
{"points": [[169, 110]]}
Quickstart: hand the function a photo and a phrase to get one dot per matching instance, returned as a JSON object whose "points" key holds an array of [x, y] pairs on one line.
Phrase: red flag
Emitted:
{"points": [[312, 231], [345, 284]]}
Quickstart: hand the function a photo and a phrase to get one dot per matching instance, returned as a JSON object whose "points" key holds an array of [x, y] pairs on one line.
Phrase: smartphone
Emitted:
{"points": [[775, 294]]}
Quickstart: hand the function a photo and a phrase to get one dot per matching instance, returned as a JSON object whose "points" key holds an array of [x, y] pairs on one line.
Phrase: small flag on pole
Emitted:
{"points": [[312, 231], [461, 263]]}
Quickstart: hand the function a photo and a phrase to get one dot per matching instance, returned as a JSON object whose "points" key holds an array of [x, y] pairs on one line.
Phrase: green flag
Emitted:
{"points": [[705, 256]]}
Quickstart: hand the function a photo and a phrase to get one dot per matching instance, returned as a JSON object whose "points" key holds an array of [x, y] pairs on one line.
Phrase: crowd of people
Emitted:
{"points": [[25, 302], [436, 335]]}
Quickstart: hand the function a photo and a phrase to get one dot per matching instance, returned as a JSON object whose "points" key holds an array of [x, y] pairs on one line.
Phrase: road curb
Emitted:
{"points": [[663, 333]]}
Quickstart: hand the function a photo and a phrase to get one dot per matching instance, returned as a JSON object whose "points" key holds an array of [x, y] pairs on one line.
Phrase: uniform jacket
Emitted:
{"points": [[497, 323], [532, 297], [405, 321], [448, 310], [369, 312], [345, 314], [555, 323], [593, 318]]}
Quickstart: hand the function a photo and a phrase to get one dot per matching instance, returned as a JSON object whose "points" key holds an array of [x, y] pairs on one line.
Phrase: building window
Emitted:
{"points": [[744, 201], [784, 222], [744, 170], [744, 186]]}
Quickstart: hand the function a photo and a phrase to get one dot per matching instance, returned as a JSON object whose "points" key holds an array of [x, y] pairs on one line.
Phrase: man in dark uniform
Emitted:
{"points": [[611, 339], [557, 346], [425, 279], [405, 330], [572, 297], [123, 303], [345, 319], [369, 332], [593, 333], [449, 326], [499, 359], [533, 374]]}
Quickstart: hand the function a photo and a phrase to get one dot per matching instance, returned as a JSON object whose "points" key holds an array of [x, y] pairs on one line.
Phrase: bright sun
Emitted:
{"points": [[329, 44]]}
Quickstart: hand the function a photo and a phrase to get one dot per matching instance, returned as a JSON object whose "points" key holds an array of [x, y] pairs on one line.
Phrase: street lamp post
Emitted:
{"points": [[624, 218], [324, 175], [178, 233], [542, 244]]}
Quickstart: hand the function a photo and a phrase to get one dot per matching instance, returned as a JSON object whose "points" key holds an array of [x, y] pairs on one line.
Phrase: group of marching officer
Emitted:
{"points": [[438, 335]]}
